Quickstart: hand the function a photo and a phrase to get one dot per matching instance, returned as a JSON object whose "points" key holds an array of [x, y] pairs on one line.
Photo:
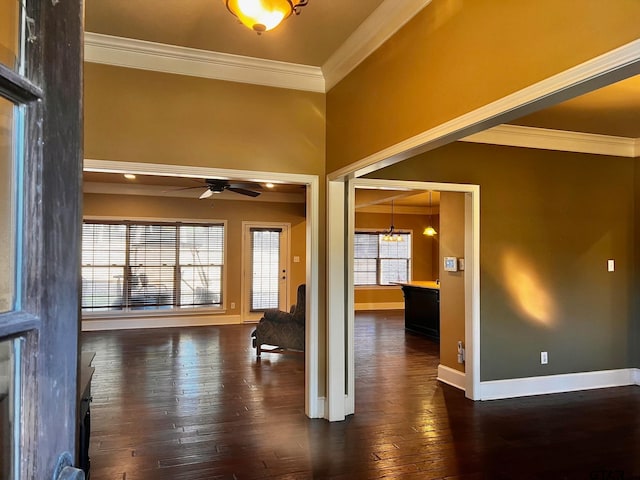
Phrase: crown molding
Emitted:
{"points": [[614, 65], [376, 29], [559, 140], [386, 20], [158, 57]]}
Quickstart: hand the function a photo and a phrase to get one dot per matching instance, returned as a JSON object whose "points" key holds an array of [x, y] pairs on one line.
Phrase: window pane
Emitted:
{"points": [[393, 271], [201, 245], [265, 262], [200, 285], [365, 245], [102, 287], [10, 27], [364, 271], [152, 245], [7, 204], [103, 266], [151, 287], [10, 354], [401, 249]]}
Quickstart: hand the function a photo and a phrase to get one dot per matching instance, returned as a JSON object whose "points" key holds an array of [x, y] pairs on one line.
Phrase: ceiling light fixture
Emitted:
{"points": [[390, 235], [264, 15], [429, 231], [129, 176]]}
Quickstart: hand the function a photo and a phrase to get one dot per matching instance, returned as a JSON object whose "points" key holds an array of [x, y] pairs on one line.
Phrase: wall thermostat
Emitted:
{"points": [[450, 264]]}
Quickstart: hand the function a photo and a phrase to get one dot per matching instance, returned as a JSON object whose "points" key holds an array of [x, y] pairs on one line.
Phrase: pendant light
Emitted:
{"points": [[390, 235], [429, 231], [264, 15]]}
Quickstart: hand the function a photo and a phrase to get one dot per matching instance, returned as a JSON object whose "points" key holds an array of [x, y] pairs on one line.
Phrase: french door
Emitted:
{"points": [[40, 177], [266, 272]]}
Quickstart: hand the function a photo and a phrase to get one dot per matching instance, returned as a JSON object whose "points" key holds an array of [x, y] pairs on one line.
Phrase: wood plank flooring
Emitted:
{"points": [[193, 403]]}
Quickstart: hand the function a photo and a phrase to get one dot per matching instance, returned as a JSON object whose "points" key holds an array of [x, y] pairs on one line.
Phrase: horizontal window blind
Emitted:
{"points": [[131, 265], [380, 262]]}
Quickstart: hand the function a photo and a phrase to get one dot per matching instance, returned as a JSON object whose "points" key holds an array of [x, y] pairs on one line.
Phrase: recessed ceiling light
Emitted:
{"points": [[129, 176], [269, 185]]}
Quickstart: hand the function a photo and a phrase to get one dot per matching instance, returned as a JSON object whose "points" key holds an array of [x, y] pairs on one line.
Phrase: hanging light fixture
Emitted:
{"points": [[429, 231], [264, 15], [390, 235]]}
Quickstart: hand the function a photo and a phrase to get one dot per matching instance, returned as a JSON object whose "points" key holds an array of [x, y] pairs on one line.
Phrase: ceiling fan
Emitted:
{"points": [[218, 186]]}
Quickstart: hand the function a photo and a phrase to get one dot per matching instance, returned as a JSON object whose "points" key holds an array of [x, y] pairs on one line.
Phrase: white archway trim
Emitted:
{"points": [[612, 66], [472, 273], [314, 406]]}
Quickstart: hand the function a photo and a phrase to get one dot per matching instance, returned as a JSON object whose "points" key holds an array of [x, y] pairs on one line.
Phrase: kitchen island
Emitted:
{"points": [[422, 308]]}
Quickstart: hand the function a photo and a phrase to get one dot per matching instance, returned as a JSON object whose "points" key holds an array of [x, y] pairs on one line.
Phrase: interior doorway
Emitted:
{"points": [[341, 214], [314, 404]]}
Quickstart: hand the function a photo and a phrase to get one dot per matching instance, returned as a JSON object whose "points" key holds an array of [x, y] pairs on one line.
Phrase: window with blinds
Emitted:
{"points": [[134, 266], [379, 262]]}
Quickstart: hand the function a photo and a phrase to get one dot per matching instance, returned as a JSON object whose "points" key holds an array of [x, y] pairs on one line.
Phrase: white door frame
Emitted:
{"points": [[314, 406], [341, 214], [245, 281]]}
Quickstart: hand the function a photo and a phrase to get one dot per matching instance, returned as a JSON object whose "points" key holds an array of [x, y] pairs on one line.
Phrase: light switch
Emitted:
{"points": [[296, 259], [611, 265]]}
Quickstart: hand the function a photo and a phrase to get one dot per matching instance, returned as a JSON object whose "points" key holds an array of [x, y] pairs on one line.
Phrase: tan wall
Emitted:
{"points": [[549, 222], [140, 116], [234, 212], [7, 227], [422, 250], [452, 310], [456, 56], [9, 23]]}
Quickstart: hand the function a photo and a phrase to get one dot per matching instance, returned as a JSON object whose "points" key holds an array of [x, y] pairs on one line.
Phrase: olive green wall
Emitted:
{"points": [[452, 299], [423, 262], [456, 56], [234, 212], [548, 223]]}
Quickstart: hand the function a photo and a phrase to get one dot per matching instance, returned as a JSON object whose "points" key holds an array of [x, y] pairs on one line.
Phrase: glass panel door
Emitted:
{"points": [[266, 276]]}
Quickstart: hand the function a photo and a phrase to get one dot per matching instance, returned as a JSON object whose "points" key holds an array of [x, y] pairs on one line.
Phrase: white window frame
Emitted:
{"points": [[181, 311], [378, 285]]}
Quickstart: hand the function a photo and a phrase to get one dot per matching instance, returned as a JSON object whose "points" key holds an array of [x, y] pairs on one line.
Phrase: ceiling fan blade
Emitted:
{"points": [[246, 185], [244, 191], [182, 188], [206, 194]]}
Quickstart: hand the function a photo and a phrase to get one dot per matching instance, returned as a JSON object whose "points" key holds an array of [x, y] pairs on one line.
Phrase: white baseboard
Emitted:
{"points": [[379, 306], [570, 382], [127, 323], [452, 377]]}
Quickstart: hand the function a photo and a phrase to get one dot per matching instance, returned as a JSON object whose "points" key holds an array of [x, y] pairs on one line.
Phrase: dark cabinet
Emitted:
{"points": [[422, 310]]}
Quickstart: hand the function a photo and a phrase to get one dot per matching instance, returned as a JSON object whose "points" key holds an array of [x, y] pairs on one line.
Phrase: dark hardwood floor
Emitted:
{"points": [[193, 403]]}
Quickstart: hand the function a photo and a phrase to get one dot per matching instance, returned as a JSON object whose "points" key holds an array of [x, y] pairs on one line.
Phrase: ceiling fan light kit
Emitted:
{"points": [[264, 15]]}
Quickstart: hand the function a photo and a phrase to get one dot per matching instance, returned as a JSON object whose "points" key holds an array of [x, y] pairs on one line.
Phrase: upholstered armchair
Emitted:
{"points": [[282, 330]]}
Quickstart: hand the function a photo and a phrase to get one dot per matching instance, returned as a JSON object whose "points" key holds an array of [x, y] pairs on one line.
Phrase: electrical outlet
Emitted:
{"points": [[544, 358], [233, 305], [611, 265], [461, 352]]}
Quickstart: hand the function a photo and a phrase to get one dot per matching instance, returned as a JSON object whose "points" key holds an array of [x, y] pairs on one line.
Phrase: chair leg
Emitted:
{"points": [[258, 350]]}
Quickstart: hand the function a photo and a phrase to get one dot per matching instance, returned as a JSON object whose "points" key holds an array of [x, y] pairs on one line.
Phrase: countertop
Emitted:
{"points": [[421, 284]]}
